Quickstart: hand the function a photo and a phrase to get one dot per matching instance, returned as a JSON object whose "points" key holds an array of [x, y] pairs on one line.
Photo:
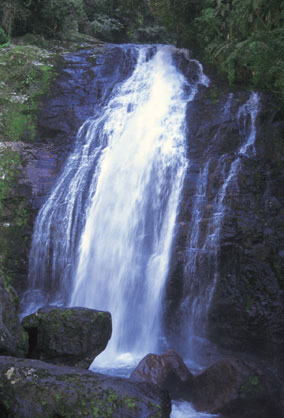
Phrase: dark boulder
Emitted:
{"points": [[236, 388], [168, 371], [13, 339], [68, 336], [33, 389]]}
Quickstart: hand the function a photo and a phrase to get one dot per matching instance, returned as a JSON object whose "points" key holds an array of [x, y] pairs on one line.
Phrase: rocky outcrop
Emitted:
{"points": [[231, 387], [227, 269], [168, 371], [32, 389], [236, 388], [73, 94], [67, 336], [13, 339]]}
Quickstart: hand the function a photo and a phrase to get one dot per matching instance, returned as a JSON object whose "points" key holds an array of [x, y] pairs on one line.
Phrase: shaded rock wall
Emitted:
{"points": [[240, 307], [72, 99], [13, 339]]}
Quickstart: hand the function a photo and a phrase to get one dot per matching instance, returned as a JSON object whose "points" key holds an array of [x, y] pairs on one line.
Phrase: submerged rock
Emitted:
{"points": [[168, 371], [68, 336], [13, 340], [33, 389], [236, 389]]}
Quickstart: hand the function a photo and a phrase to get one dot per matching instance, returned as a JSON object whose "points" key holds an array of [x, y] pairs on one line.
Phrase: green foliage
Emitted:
{"points": [[111, 20], [9, 288], [25, 78], [4, 38], [104, 27], [14, 16], [49, 17], [9, 163], [243, 39], [56, 18], [95, 7], [245, 43], [251, 387]]}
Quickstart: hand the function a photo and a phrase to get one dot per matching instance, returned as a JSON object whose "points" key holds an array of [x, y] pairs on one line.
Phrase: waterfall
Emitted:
{"points": [[202, 266], [103, 238]]}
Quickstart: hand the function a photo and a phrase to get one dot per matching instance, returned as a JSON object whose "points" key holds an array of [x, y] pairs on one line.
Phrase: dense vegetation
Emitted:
{"points": [[242, 39], [109, 20]]}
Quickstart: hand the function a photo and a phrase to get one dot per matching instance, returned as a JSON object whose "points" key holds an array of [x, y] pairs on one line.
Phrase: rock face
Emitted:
{"points": [[231, 289], [236, 388], [168, 371], [72, 98], [227, 268], [73, 336], [32, 389], [13, 339]]}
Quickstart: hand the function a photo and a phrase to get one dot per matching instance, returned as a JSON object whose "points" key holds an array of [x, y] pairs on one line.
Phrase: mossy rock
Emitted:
{"points": [[69, 336], [13, 339], [235, 388], [32, 389]]}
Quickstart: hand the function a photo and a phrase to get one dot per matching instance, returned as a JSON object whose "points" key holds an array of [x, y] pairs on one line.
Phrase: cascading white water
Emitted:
{"points": [[125, 246], [112, 212]]}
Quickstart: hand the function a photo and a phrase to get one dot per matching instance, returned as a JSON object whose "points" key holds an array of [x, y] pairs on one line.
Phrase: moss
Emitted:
{"points": [[130, 403], [58, 398], [67, 313], [279, 272], [251, 387], [18, 125], [26, 75], [9, 289], [14, 226], [213, 95], [96, 412], [248, 303]]}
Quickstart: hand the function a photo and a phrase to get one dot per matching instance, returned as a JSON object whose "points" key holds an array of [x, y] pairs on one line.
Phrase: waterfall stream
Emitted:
{"points": [[103, 238]]}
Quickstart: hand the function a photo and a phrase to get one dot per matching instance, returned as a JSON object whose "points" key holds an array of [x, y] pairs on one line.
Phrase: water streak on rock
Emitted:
{"points": [[207, 222]]}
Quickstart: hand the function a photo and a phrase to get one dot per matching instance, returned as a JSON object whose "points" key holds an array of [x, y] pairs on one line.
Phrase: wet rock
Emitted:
{"points": [[236, 388], [68, 336], [13, 339], [33, 389], [168, 371], [232, 294]]}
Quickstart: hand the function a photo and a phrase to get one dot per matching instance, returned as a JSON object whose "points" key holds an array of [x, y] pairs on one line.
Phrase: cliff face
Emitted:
{"points": [[52, 115], [226, 279], [227, 268]]}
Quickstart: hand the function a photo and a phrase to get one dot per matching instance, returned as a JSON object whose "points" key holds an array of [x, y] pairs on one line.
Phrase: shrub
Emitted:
{"points": [[14, 16], [4, 38], [9, 162], [104, 27], [52, 18]]}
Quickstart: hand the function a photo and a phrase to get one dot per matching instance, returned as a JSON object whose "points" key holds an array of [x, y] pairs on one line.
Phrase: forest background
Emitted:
{"points": [[243, 40]]}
